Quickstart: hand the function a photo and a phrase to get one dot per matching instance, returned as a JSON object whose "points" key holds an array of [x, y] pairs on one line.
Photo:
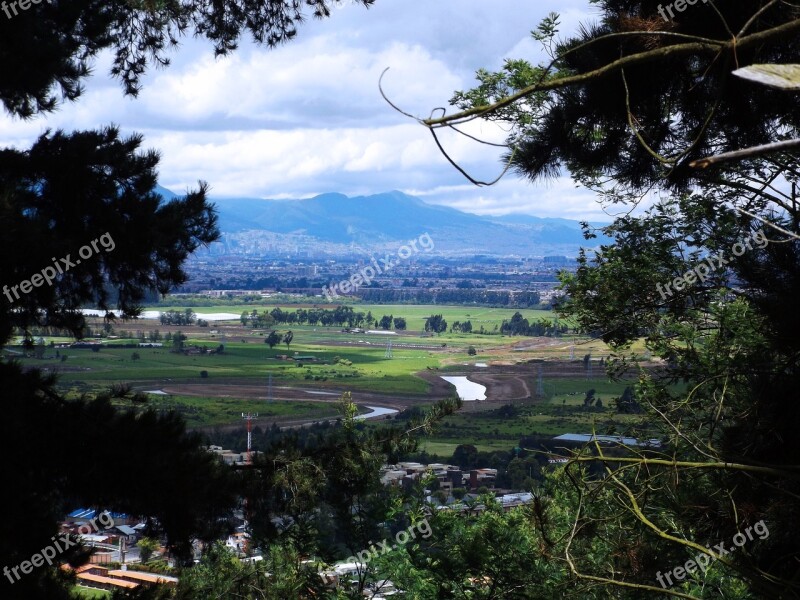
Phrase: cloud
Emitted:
{"points": [[324, 83], [307, 117]]}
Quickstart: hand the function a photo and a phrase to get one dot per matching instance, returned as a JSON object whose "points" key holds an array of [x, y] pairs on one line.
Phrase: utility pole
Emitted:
{"points": [[249, 418]]}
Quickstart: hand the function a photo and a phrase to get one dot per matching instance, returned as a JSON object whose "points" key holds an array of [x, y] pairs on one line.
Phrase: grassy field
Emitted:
{"points": [[368, 368], [82, 593], [343, 361], [202, 411], [562, 412], [415, 315]]}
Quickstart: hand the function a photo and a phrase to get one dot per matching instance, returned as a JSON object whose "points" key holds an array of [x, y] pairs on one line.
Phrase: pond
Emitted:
{"points": [[466, 389]]}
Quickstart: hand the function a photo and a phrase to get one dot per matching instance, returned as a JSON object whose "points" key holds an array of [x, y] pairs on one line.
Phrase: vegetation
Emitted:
{"points": [[627, 106], [598, 110]]}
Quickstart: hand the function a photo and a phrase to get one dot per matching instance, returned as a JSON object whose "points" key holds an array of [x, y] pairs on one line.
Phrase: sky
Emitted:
{"points": [[307, 118]]}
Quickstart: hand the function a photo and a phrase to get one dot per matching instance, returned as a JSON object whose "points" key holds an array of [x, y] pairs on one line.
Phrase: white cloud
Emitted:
{"points": [[308, 117]]}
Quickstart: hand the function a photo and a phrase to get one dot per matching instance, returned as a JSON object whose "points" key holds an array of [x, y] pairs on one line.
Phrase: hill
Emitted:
{"points": [[380, 221]]}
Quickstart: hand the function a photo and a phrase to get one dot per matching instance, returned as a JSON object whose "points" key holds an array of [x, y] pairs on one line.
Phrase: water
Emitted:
{"points": [[466, 389], [377, 411], [155, 314]]}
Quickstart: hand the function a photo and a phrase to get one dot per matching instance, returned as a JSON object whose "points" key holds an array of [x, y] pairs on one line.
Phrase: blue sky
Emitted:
{"points": [[307, 118]]}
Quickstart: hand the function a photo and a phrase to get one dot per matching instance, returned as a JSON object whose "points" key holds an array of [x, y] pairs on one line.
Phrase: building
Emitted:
{"points": [[100, 582], [229, 457], [143, 579]]}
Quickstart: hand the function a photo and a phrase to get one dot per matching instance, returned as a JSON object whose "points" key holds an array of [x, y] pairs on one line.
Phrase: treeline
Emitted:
{"points": [[520, 326], [270, 439], [178, 317], [526, 299], [341, 316]]}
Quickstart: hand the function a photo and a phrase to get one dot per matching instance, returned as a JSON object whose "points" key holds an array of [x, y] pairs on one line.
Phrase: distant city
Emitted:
{"points": [[243, 273]]}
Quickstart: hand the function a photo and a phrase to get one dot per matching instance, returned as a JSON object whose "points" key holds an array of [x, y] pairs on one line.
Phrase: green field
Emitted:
{"points": [[82, 593], [415, 315], [369, 369], [342, 361], [202, 411], [560, 413]]}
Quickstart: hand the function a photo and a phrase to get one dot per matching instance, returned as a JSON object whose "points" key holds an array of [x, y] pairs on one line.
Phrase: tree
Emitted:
{"points": [[436, 324], [97, 189], [189, 497], [36, 187], [399, 323], [272, 339], [135, 356], [465, 455], [632, 106], [178, 341], [147, 546], [287, 339], [457, 559], [55, 48], [612, 73], [471, 351], [386, 322]]}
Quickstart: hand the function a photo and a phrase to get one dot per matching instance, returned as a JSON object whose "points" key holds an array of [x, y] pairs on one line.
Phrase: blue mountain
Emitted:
{"points": [[391, 216]]}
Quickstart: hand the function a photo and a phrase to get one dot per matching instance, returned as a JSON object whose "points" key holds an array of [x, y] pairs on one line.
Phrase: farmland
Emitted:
{"points": [[226, 369]]}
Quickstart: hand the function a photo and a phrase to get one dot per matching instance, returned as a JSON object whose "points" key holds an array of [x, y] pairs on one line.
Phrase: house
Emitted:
{"points": [[80, 515], [104, 583], [127, 533], [482, 477], [144, 579]]}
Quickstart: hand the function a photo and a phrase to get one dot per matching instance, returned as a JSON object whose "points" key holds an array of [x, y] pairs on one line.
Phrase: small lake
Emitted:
{"points": [[466, 389]]}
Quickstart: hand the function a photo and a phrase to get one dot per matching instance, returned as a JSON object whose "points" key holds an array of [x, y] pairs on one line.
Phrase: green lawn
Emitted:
{"points": [[82, 593], [414, 314]]}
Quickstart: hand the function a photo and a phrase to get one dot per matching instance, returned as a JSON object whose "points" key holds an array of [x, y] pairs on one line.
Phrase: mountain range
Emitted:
{"points": [[386, 220]]}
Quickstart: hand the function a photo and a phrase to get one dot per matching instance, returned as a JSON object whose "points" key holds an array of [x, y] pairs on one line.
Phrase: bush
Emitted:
{"points": [[204, 374]]}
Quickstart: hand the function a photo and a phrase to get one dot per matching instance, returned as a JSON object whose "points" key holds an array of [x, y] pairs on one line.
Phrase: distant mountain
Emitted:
{"points": [[381, 220], [165, 193]]}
